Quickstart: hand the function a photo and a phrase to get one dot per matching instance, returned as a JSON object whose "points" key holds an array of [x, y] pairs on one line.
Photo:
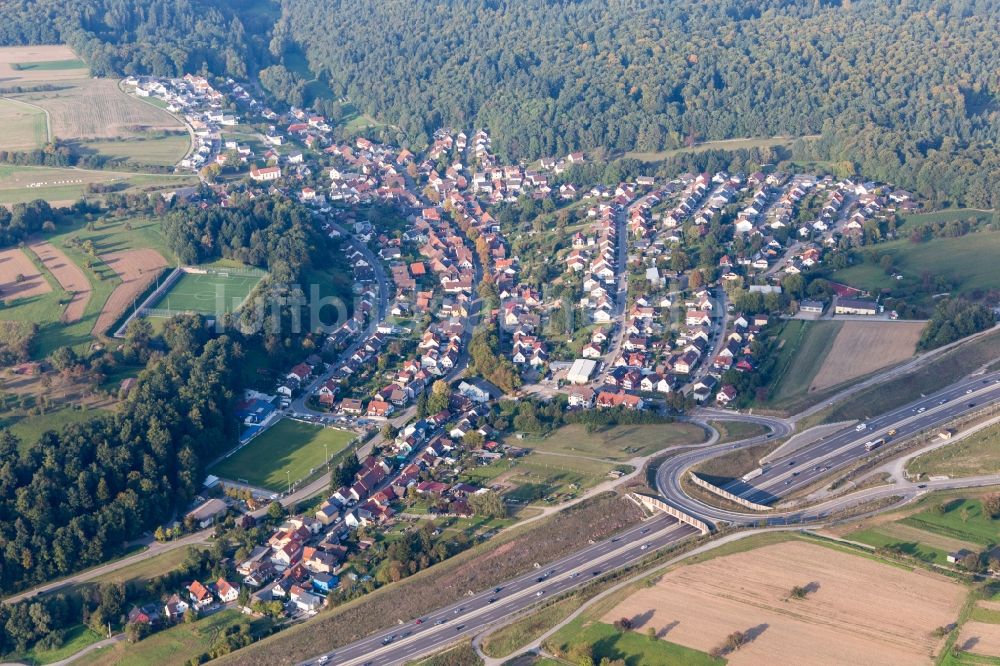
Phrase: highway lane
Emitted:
{"points": [[801, 468], [472, 614], [827, 455]]}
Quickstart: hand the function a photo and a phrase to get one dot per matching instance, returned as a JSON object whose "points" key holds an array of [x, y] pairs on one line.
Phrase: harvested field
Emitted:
{"points": [[14, 263], [52, 63], [858, 610], [97, 108], [24, 126], [69, 276], [862, 347], [137, 269], [980, 638]]}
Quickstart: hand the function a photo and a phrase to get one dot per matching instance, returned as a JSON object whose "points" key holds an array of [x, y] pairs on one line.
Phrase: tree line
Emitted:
{"points": [[78, 495]]}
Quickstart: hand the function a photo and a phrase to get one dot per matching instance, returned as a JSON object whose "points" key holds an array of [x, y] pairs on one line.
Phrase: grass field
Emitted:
{"points": [[617, 442], [157, 149], [29, 427], [880, 538], [946, 215], [288, 446], [541, 476], [170, 647], [631, 646], [725, 144], [802, 349], [75, 639], [205, 292], [50, 65], [65, 186], [976, 454], [24, 126], [732, 431], [961, 519], [968, 261], [28, 65]]}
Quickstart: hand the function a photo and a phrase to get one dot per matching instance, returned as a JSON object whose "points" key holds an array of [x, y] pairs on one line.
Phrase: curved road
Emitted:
{"points": [[487, 608]]}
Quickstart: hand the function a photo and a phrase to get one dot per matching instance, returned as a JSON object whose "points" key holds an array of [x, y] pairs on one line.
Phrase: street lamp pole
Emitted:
{"points": [[326, 452], [288, 477]]}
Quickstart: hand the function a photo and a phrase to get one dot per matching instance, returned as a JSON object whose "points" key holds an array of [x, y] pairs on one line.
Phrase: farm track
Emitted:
{"points": [[70, 278]]}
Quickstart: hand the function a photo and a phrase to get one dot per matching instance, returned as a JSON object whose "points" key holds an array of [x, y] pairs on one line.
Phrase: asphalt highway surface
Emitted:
{"points": [[414, 637], [472, 614]]}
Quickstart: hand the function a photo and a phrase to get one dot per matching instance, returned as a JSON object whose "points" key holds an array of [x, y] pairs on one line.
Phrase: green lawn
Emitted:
{"points": [[29, 427], [974, 455], [733, 431], [963, 519], [160, 150], [57, 185], [803, 348], [635, 648], [622, 442], [724, 144], [203, 292], [24, 126], [288, 446], [50, 65], [921, 551], [968, 261], [75, 639], [946, 215], [170, 647], [540, 476]]}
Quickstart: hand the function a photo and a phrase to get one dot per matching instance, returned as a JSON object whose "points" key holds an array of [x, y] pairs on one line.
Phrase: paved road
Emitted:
{"points": [[155, 548], [473, 614], [377, 318], [807, 465]]}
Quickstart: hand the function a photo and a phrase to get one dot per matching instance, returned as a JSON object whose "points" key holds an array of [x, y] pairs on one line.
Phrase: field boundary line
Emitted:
{"points": [[48, 118], [168, 282]]}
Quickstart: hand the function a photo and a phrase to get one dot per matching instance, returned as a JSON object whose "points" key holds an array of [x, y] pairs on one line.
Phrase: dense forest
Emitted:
{"points": [[161, 37], [75, 497], [271, 233], [898, 91]]}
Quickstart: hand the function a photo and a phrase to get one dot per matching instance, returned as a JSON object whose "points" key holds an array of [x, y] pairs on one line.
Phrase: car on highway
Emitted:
{"points": [[459, 627], [644, 546], [388, 639], [644, 530], [491, 600], [972, 404], [539, 593], [922, 486], [791, 463], [968, 392], [419, 621], [861, 426], [322, 660], [458, 610], [596, 572], [497, 589], [921, 410], [440, 622]]}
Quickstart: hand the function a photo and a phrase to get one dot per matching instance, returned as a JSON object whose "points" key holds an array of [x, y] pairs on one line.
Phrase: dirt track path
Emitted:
{"points": [[69, 275], [137, 269]]}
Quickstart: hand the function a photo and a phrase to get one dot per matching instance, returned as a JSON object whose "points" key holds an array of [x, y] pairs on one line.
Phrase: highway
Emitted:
{"points": [[821, 459], [473, 614]]}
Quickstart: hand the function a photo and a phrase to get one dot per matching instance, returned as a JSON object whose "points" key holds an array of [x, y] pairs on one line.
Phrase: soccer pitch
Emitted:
{"points": [[286, 452], [207, 293]]}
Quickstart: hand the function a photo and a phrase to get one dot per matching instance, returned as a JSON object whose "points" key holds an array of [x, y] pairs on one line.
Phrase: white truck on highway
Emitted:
{"points": [[874, 444], [753, 474]]}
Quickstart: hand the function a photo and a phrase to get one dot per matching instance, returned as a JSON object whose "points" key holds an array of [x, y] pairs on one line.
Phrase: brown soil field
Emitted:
{"points": [[980, 638], [14, 262], [96, 108], [136, 268], [862, 347], [69, 276], [12, 55], [859, 611], [989, 605]]}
